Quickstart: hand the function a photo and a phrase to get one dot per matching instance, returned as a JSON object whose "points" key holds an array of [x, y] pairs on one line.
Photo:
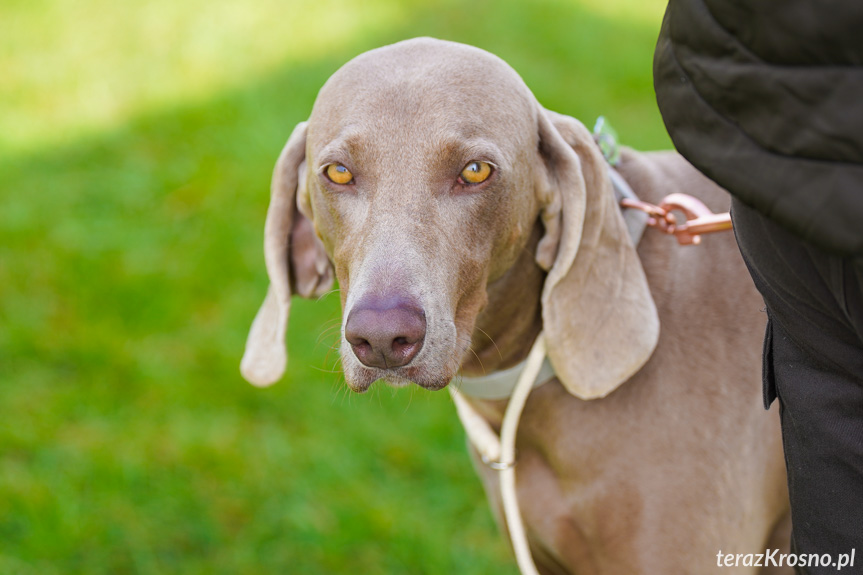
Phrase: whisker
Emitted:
{"points": [[336, 346], [470, 348], [331, 329], [322, 370], [327, 356], [343, 392], [410, 399], [325, 335], [332, 324], [334, 332], [337, 361], [325, 294], [478, 359], [485, 333]]}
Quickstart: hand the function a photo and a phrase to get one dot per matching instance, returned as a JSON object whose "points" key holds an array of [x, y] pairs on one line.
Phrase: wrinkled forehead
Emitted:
{"points": [[423, 91]]}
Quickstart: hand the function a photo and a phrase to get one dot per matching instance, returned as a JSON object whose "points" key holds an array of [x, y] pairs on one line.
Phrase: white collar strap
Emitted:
{"points": [[499, 384]]}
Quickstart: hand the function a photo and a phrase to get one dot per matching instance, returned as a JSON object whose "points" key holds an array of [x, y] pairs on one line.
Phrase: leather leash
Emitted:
{"points": [[499, 452]]}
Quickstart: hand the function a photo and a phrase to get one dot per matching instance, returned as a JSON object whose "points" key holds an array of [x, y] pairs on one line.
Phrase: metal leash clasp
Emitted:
{"points": [[699, 219]]}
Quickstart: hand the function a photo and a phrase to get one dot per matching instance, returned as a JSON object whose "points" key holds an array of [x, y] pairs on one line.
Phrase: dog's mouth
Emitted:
{"points": [[426, 371], [362, 380]]}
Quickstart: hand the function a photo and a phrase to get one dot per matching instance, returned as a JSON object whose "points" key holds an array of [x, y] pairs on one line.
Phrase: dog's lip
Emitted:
{"points": [[360, 387], [398, 377]]}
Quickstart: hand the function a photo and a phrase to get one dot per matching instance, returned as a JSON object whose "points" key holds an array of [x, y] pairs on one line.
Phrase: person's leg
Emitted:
{"points": [[814, 362]]}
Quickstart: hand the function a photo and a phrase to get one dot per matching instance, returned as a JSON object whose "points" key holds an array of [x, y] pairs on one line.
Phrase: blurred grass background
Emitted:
{"points": [[136, 144]]}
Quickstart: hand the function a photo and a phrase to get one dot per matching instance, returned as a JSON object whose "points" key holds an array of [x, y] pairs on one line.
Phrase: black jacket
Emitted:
{"points": [[766, 98]]}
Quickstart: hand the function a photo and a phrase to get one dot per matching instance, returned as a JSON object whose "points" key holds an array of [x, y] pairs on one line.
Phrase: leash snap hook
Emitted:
{"points": [[699, 219]]}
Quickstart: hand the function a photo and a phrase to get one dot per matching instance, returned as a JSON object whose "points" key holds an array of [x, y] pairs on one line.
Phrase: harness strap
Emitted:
{"points": [[636, 220]]}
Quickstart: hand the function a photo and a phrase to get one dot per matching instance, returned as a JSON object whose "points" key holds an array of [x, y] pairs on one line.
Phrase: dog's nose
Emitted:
{"points": [[385, 333]]}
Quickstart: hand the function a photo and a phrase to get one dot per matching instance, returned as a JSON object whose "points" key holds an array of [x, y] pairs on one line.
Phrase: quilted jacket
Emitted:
{"points": [[766, 98]]}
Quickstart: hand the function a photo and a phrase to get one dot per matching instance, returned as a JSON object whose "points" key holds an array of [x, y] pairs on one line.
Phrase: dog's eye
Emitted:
{"points": [[338, 174], [475, 172]]}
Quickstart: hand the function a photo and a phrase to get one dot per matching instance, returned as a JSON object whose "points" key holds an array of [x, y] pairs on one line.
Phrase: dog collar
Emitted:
{"points": [[500, 384]]}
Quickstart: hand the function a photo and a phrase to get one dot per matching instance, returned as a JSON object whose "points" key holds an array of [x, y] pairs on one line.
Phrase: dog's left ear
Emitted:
{"points": [[296, 264], [599, 318]]}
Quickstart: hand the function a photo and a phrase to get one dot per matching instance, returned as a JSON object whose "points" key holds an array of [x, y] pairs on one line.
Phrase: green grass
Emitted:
{"points": [[136, 143]]}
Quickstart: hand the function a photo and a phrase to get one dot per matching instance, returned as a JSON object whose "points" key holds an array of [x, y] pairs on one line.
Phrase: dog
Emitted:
{"points": [[461, 219]]}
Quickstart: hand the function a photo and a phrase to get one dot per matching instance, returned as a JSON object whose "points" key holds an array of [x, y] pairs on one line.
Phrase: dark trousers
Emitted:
{"points": [[813, 363]]}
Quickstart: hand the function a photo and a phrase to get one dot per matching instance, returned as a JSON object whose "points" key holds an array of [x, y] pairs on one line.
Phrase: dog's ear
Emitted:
{"points": [[599, 318], [296, 263]]}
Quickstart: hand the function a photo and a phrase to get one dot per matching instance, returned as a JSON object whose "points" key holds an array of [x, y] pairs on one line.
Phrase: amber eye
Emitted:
{"points": [[339, 174], [475, 172]]}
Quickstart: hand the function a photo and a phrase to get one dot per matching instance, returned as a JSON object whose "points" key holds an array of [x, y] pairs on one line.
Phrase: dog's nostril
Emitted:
{"points": [[364, 345], [401, 346]]}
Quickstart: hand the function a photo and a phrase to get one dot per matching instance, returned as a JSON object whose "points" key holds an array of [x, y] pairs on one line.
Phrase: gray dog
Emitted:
{"points": [[461, 218]]}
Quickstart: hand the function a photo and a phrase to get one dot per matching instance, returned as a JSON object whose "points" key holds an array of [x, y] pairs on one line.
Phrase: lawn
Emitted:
{"points": [[136, 143]]}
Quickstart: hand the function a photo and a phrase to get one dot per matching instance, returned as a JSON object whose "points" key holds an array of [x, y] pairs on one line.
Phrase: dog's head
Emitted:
{"points": [[418, 179]]}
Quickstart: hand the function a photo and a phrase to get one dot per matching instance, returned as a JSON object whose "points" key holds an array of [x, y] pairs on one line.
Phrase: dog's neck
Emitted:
{"points": [[508, 325]]}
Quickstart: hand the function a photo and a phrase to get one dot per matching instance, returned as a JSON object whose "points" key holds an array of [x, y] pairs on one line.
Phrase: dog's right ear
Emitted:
{"points": [[296, 263]]}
